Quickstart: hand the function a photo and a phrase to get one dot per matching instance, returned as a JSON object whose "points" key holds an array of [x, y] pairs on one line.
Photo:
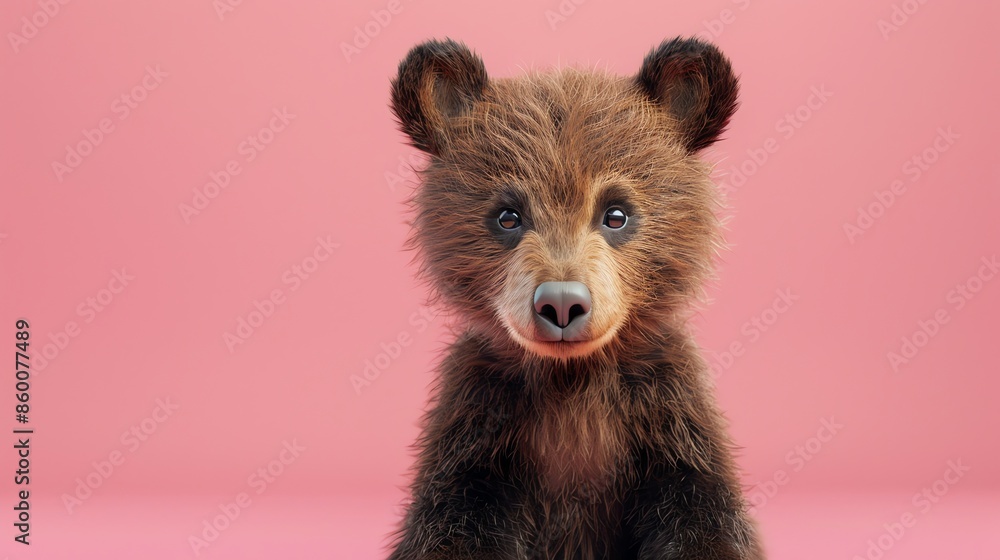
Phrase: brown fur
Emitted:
{"points": [[608, 448]]}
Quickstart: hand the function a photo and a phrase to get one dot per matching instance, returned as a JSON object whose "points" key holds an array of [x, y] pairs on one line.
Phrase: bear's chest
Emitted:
{"points": [[577, 444]]}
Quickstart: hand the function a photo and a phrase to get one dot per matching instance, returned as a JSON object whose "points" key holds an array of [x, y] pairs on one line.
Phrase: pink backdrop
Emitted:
{"points": [[202, 221]]}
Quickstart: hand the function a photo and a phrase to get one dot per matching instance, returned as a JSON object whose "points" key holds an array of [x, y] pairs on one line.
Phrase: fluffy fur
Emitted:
{"points": [[606, 448]]}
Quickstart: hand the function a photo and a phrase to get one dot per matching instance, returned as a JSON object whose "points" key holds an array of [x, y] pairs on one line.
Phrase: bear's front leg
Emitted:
{"points": [[464, 515], [687, 514], [465, 499]]}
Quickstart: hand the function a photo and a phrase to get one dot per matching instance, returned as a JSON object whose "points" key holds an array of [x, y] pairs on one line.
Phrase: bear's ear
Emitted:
{"points": [[696, 84], [437, 81]]}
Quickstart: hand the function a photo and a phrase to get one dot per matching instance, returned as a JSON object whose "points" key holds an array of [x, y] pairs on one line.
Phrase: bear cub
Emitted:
{"points": [[566, 222]]}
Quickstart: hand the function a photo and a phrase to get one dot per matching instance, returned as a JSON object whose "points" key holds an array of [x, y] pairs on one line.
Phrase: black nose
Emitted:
{"points": [[562, 310]]}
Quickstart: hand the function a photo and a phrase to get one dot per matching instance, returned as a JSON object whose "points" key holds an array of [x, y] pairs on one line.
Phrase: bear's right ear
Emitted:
{"points": [[694, 82], [437, 81]]}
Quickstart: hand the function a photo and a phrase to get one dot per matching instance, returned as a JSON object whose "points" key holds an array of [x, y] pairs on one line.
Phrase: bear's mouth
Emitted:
{"points": [[550, 339], [562, 348]]}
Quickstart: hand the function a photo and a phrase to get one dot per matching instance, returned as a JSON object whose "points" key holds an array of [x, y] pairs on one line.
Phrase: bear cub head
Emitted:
{"points": [[565, 214]]}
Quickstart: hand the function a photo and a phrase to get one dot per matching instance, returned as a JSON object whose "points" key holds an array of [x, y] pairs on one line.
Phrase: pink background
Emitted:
{"points": [[338, 171]]}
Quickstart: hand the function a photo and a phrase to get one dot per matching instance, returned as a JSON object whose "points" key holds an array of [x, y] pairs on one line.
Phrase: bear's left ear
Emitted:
{"points": [[694, 82], [437, 81]]}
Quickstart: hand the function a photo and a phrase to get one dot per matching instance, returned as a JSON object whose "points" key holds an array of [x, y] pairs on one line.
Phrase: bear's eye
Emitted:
{"points": [[615, 218], [509, 219]]}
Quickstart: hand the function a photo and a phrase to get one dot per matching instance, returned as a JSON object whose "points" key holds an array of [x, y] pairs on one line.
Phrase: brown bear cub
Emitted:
{"points": [[566, 222]]}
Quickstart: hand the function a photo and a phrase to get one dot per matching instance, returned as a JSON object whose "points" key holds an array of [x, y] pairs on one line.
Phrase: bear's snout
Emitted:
{"points": [[562, 311]]}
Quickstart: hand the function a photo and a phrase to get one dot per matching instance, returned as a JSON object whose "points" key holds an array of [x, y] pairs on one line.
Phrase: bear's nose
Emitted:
{"points": [[562, 310]]}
